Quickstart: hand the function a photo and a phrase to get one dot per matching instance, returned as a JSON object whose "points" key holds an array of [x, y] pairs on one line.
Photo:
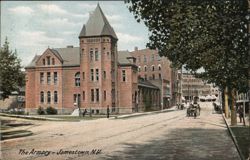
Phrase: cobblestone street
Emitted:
{"points": [[169, 135]]}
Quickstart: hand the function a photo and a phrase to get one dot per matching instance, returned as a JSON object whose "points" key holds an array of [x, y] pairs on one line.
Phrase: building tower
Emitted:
{"points": [[98, 64]]}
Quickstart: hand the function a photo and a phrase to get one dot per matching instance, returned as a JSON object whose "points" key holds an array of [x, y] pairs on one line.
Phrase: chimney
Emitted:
{"points": [[70, 46], [136, 48]]}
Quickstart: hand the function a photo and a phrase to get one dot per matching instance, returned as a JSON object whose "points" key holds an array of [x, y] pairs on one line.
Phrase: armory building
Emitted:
{"points": [[95, 76]]}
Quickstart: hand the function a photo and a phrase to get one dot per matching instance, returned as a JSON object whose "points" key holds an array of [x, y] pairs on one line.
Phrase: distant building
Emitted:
{"points": [[195, 87], [93, 76], [157, 70]]}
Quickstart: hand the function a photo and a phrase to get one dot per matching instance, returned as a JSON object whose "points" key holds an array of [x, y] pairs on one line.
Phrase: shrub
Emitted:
{"points": [[51, 110], [40, 111]]}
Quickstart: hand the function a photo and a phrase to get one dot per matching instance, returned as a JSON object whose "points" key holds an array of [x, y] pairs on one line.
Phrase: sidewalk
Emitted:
{"points": [[241, 136], [173, 108]]}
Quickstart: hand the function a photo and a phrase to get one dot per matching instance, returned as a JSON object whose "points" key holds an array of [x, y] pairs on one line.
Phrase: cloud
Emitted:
{"points": [[127, 38], [52, 8], [38, 38], [21, 10], [62, 22], [87, 6], [113, 18]]}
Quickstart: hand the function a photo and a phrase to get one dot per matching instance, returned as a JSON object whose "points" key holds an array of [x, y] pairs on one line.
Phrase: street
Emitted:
{"points": [[169, 135]]}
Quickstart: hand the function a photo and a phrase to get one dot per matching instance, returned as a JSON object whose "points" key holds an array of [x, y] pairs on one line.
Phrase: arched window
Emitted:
{"points": [[153, 68], [48, 97], [145, 68], [77, 79], [42, 97], [55, 97], [139, 69], [159, 67]]}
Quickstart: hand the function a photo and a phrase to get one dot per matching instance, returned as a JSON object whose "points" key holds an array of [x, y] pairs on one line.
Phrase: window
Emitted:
{"points": [[104, 74], [83, 95], [48, 60], [97, 95], [139, 58], [145, 68], [42, 97], [159, 67], [153, 76], [83, 75], [153, 68], [145, 58], [48, 97], [48, 77], [91, 54], [96, 54], [55, 97], [41, 77], [77, 98], [43, 61], [97, 74], [104, 96], [158, 58], [55, 78], [123, 75], [92, 95], [146, 77], [159, 76], [77, 79], [152, 57], [92, 74], [53, 61], [139, 69]]}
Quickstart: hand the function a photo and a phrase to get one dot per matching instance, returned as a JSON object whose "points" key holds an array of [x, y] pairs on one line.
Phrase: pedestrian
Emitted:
{"points": [[108, 112], [240, 111], [85, 111]]}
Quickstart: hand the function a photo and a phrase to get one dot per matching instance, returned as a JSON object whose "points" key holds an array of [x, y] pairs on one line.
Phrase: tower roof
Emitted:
{"points": [[97, 25]]}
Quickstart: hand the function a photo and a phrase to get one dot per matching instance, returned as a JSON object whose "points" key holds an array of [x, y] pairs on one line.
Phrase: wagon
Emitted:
{"points": [[193, 110]]}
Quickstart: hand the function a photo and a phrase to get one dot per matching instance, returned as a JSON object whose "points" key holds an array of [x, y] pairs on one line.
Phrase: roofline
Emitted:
{"points": [[62, 66], [144, 85], [128, 64], [97, 36]]}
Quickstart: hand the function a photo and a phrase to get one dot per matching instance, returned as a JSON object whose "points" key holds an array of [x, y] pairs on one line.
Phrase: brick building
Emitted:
{"points": [[157, 70], [196, 87], [93, 76]]}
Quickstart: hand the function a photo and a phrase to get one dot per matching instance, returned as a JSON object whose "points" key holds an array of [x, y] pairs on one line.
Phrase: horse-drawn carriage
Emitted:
{"points": [[193, 110]]}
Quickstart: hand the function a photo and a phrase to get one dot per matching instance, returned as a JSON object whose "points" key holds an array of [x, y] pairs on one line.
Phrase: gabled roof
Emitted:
{"points": [[33, 62], [123, 57], [68, 56], [97, 25]]}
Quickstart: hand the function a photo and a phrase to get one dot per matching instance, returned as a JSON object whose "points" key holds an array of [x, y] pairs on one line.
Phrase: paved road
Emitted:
{"points": [[168, 136]]}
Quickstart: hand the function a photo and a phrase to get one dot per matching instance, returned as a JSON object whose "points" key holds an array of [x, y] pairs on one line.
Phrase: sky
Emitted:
{"points": [[32, 27]]}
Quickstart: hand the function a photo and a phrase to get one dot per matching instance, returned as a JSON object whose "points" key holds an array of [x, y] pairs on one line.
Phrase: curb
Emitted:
{"points": [[233, 138], [143, 114], [30, 117]]}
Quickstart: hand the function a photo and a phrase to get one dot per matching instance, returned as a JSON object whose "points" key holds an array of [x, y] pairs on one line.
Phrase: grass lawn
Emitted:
{"points": [[9, 129], [243, 139]]}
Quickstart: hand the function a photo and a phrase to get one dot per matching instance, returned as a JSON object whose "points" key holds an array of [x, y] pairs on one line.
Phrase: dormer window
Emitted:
{"points": [[43, 61]]}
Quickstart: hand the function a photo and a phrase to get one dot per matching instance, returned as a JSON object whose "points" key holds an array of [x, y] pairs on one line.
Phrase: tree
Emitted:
{"points": [[11, 76], [200, 34]]}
